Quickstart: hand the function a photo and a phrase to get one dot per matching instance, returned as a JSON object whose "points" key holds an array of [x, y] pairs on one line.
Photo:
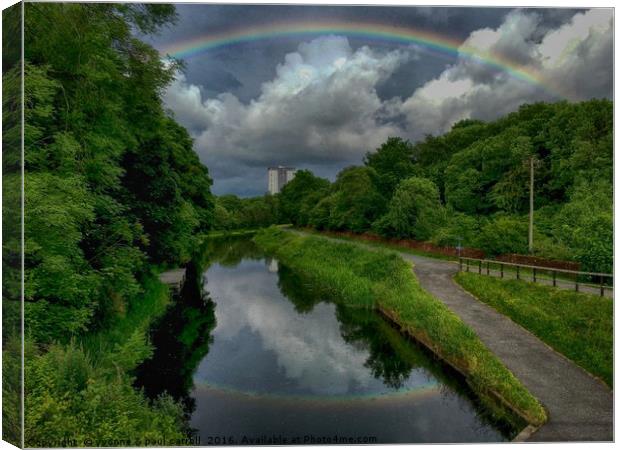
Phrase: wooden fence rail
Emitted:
{"points": [[484, 266]]}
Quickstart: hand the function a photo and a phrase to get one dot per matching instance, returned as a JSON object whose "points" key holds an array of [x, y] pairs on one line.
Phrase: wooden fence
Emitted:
{"points": [[599, 281]]}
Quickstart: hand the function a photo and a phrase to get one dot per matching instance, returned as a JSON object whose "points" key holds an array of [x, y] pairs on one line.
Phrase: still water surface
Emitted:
{"points": [[255, 354]]}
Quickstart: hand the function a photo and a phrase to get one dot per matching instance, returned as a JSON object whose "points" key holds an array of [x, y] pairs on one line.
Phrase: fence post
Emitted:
{"points": [[501, 270], [602, 288], [576, 284], [534, 274], [480, 267], [518, 276], [460, 264], [467, 263], [488, 267], [554, 275]]}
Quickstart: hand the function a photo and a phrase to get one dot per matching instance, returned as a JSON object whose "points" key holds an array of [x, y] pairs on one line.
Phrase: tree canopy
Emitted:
{"points": [[470, 186], [112, 182], [112, 188]]}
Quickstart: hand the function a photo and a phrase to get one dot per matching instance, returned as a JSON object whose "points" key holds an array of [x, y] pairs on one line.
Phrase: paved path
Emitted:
{"points": [[580, 407]]}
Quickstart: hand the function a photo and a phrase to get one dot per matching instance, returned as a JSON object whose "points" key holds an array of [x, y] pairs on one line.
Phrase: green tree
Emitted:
{"points": [[415, 210], [432, 155], [112, 186], [357, 199], [232, 212], [585, 225], [503, 234], [320, 215], [300, 194], [489, 175], [393, 162]]}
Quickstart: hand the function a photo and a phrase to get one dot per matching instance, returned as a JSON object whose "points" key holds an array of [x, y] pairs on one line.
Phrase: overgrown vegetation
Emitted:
{"points": [[378, 279], [470, 186], [112, 189], [84, 390], [234, 213], [578, 325]]}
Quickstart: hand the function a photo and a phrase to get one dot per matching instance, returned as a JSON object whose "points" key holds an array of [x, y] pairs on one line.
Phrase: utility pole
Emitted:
{"points": [[531, 229]]}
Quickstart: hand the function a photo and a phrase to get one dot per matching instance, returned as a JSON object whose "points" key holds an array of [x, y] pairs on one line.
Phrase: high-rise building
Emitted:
{"points": [[278, 177]]}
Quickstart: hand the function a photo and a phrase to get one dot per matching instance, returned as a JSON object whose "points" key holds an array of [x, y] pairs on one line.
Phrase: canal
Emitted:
{"points": [[256, 356]]}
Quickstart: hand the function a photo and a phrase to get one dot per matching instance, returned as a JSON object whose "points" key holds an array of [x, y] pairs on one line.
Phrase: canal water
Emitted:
{"points": [[256, 356]]}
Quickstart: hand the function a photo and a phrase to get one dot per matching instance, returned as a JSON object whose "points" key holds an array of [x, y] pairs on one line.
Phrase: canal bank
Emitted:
{"points": [[375, 279], [580, 407]]}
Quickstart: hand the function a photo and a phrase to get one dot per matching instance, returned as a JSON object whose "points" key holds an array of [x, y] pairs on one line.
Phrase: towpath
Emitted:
{"points": [[580, 407]]}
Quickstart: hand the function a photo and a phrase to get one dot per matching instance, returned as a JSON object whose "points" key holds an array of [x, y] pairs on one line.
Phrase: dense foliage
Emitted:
{"points": [[470, 186], [112, 187], [234, 213], [11, 228], [111, 181], [84, 390]]}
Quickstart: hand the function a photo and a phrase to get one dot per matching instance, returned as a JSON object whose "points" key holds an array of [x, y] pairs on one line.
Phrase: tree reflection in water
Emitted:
{"points": [[359, 327]]}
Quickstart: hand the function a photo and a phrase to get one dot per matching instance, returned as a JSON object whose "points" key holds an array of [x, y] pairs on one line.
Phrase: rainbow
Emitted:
{"points": [[397, 35], [425, 390]]}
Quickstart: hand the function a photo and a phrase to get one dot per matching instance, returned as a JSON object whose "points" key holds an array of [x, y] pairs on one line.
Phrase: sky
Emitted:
{"points": [[322, 100]]}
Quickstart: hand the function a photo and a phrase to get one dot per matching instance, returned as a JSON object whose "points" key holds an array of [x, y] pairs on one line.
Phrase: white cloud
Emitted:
{"points": [[559, 45], [322, 108], [573, 62], [308, 347]]}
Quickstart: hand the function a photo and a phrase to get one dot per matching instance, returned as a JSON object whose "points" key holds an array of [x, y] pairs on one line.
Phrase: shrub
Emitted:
{"points": [[504, 234], [459, 228], [67, 396], [415, 210]]}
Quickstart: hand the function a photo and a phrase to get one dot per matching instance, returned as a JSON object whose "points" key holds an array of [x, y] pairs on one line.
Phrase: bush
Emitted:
{"points": [[504, 234], [459, 228], [585, 225], [415, 210], [67, 396]]}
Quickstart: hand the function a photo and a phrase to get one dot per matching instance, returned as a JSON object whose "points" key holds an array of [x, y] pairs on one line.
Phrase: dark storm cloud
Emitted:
{"points": [[254, 63], [323, 103]]}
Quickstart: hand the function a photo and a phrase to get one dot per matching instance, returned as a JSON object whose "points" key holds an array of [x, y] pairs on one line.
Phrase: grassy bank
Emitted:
{"points": [[84, 390], [382, 280], [380, 244], [509, 271], [238, 233], [230, 233], [578, 325]]}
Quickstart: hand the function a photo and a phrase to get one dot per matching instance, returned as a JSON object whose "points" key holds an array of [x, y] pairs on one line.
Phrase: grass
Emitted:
{"points": [[578, 325], [230, 233], [383, 245], [237, 233], [508, 270], [360, 277]]}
